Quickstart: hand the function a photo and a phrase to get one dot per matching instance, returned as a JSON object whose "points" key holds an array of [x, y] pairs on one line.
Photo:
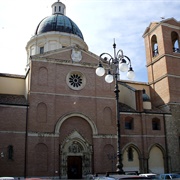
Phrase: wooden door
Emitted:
{"points": [[74, 167]]}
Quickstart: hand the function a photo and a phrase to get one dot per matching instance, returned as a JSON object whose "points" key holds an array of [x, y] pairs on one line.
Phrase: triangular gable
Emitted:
{"points": [[171, 21], [152, 25], [68, 54]]}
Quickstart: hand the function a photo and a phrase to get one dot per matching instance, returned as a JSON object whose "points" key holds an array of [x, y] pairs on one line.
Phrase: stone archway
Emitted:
{"points": [[74, 148], [70, 115], [131, 156], [156, 160]]}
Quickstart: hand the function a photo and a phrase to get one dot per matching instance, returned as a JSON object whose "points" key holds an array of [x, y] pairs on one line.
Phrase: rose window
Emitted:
{"points": [[76, 80]]}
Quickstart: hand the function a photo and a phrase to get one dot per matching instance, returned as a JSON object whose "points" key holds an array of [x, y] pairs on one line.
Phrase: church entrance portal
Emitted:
{"points": [[74, 164], [76, 157]]}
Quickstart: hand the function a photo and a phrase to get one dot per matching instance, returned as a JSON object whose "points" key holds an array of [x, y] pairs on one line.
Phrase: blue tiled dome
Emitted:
{"points": [[145, 97], [59, 23]]}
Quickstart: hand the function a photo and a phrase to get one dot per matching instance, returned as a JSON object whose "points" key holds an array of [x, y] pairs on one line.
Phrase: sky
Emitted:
{"points": [[100, 21]]}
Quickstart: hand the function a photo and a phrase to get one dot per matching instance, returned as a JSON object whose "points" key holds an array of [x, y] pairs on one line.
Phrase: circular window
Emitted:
{"points": [[75, 80]]}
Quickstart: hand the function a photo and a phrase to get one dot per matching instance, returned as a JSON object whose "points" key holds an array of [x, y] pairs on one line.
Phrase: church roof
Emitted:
{"points": [[125, 108], [10, 99]]}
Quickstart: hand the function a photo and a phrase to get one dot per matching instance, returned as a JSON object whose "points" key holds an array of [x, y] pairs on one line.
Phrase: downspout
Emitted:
{"points": [[166, 155]]}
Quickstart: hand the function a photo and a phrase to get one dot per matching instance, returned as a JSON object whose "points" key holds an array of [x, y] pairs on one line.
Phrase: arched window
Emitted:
{"points": [[43, 76], [156, 124], [175, 42], [154, 44], [42, 113], [107, 116], [129, 123]]}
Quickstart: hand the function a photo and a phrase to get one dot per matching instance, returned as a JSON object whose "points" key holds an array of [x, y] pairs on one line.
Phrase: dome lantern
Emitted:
{"points": [[58, 8]]}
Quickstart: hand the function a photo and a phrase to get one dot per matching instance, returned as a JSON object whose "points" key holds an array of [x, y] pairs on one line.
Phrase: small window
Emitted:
{"points": [[41, 50], [129, 123], [59, 8], [130, 154], [55, 9], [10, 152], [156, 124]]}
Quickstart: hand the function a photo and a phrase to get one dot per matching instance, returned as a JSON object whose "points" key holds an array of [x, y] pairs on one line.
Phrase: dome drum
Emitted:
{"points": [[53, 40]]}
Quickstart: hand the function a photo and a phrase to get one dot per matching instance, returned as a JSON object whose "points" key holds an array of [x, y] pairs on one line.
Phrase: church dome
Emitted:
{"points": [[55, 31], [145, 97], [58, 22]]}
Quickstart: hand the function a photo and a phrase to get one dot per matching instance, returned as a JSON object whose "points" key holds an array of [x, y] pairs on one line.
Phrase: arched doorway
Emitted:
{"points": [[76, 157], [156, 162], [75, 132], [131, 159]]}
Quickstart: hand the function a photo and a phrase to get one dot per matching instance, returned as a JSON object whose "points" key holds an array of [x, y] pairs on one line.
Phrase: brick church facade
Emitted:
{"points": [[59, 119]]}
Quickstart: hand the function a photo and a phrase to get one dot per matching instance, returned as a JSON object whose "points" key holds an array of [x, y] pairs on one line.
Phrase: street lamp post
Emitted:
{"points": [[114, 65]]}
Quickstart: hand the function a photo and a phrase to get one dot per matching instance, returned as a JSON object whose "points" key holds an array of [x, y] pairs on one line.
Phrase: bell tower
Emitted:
{"points": [[163, 61]]}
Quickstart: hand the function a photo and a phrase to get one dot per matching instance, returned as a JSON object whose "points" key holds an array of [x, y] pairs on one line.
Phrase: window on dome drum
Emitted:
{"points": [[41, 49], [156, 124], [55, 9], [129, 123], [154, 46], [175, 42], [130, 154], [59, 8]]}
